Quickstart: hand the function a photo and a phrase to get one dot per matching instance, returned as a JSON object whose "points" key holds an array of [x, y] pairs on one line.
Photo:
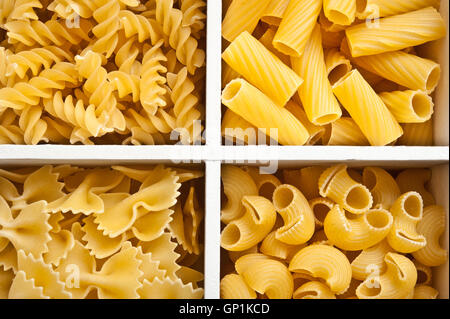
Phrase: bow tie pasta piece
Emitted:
{"points": [[297, 215], [7, 190], [157, 195], [356, 232], [189, 275], [266, 276], [58, 247], [396, 283], [169, 289], [152, 224], [192, 216], [43, 274], [252, 227], [23, 288], [29, 230], [54, 222], [432, 227], [6, 278], [407, 211], [325, 262], [233, 286], [17, 176], [84, 199], [8, 257], [313, 290]]}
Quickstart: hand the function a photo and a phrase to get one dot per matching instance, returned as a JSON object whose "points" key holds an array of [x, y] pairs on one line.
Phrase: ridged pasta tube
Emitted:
{"points": [[242, 15], [367, 109], [248, 57], [236, 184], [344, 131], [296, 27], [324, 262], [236, 129], [409, 106], [370, 261], [417, 134], [315, 131], [340, 12], [432, 226], [233, 286], [385, 8], [320, 207], [382, 186], [396, 283], [336, 184], [274, 12], [255, 107], [297, 215], [252, 227], [396, 32], [364, 231], [337, 65], [266, 276], [407, 211], [321, 107], [313, 290]]}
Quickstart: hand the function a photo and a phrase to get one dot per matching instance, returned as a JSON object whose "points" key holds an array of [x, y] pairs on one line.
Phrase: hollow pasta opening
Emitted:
{"points": [[327, 135], [307, 293], [321, 211], [361, 6], [231, 90], [422, 277], [344, 78], [413, 206], [422, 105], [282, 198], [338, 17], [372, 291], [266, 190], [284, 48], [326, 119], [369, 179], [230, 235], [358, 198], [378, 219], [337, 73], [433, 78], [315, 137]]}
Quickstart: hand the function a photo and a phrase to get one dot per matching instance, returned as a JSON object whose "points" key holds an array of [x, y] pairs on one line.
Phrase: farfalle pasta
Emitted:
{"points": [[362, 76], [102, 72], [299, 238], [53, 246]]}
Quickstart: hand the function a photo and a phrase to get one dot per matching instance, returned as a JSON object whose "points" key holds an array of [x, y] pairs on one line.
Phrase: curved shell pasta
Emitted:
{"points": [[382, 186], [313, 290], [233, 286]]}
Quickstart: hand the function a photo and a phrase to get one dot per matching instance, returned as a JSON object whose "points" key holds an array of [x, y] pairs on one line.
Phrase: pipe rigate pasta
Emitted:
{"points": [[233, 286], [370, 260], [396, 283], [382, 186], [424, 273], [324, 262], [407, 211], [252, 227], [297, 215], [357, 232], [425, 292], [432, 227], [336, 184], [417, 134], [313, 290], [416, 179], [271, 246]]}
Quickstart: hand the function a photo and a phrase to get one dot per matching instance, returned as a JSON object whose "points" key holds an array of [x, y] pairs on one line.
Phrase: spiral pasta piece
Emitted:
{"points": [[180, 38], [32, 125], [106, 14], [23, 10], [141, 26], [193, 15], [297, 215], [68, 8]]}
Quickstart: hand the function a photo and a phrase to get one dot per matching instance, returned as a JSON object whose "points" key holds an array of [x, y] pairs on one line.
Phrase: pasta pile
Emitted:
{"points": [[114, 233], [102, 71], [292, 65], [330, 232]]}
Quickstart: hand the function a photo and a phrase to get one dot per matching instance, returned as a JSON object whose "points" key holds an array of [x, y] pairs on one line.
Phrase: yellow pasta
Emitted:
{"points": [[267, 40], [370, 262], [315, 132], [344, 131], [396, 283], [237, 130], [382, 186], [255, 107], [265, 183], [337, 65], [329, 26], [432, 227], [417, 180], [266, 276], [313, 290], [417, 134], [424, 273], [425, 292], [385, 8], [296, 27], [409, 106], [271, 246], [252, 227], [297, 215], [367, 109], [242, 15], [325, 262], [340, 12], [356, 233], [407, 211], [321, 107], [233, 286], [236, 184], [260, 67], [336, 184], [331, 39], [320, 207], [396, 32], [275, 12]]}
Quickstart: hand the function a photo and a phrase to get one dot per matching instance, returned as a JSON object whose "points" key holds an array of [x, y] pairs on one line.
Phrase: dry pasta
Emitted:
{"points": [[48, 252]]}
